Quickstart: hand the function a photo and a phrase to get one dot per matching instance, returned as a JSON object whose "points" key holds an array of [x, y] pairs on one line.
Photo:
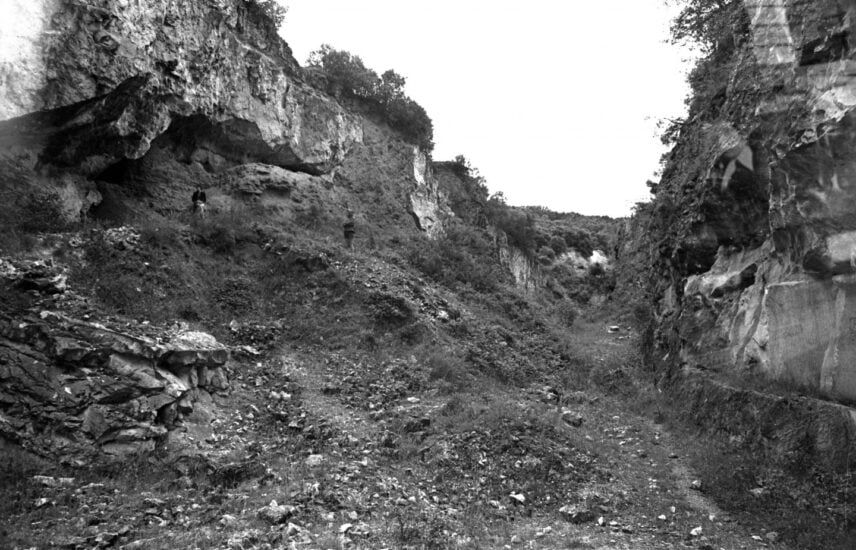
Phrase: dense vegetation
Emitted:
{"points": [[347, 76], [558, 243], [272, 9]]}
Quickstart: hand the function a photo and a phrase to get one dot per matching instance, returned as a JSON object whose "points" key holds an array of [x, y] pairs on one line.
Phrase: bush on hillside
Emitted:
{"points": [[463, 256], [518, 225], [467, 193], [272, 9], [558, 245], [580, 240], [347, 75], [705, 23]]}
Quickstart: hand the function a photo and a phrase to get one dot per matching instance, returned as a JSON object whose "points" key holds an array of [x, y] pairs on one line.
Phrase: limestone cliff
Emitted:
{"points": [[752, 234], [160, 95], [117, 110]]}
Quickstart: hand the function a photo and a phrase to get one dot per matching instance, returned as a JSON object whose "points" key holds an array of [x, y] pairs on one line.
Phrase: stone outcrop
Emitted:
{"points": [[525, 270], [125, 71], [427, 205], [71, 386], [159, 96], [751, 233]]}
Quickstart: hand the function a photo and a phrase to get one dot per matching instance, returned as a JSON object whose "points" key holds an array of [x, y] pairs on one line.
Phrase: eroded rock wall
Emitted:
{"points": [[163, 95], [213, 58], [752, 229]]}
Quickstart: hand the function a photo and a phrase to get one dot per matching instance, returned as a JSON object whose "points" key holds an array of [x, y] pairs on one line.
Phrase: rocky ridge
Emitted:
{"points": [[751, 230], [73, 386]]}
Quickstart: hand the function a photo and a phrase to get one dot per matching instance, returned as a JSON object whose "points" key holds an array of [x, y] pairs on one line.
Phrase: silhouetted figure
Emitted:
{"points": [[349, 230], [199, 199]]}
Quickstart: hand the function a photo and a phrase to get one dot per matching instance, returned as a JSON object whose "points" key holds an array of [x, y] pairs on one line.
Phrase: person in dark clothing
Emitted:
{"points": [[199, 199], [349, 230]]}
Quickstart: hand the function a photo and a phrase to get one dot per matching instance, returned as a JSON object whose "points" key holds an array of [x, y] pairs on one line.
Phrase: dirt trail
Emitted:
{"points": [[650, 498], [371, 453]]}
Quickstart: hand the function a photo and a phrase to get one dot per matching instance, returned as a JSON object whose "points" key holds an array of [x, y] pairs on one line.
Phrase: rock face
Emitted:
{"points": [[158, 96], [137, 67], [752, 228], [525, 270], [74, 386]]}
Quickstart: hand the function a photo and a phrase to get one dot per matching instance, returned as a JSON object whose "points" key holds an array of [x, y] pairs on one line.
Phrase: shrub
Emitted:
{"points": [[349, 76], [463, 256], [546, 255], [565, 313], [518, 225], [224, 231], [467, 193], [447, 369], [388, 310], [40, 211], [705, 23], [580, 240], [236, 295], [272, 9], [558, 245]]}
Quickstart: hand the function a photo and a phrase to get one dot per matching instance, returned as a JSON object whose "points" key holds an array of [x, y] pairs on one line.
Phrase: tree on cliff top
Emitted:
{"points": [[703, 23], [347, 75], [272, 9]]}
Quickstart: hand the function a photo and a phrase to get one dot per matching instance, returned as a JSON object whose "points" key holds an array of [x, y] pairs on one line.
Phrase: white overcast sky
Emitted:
{"points": [[554, 101]]}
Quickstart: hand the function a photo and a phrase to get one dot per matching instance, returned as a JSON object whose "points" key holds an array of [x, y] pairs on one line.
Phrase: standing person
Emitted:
{"points": [[349, 230], [199, 199]]}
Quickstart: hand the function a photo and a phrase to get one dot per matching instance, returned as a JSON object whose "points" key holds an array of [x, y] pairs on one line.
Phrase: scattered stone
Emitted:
{"points": [[313, 461], [696, 532], [106, 538], [773, 536], [74, 543], [695, 484], [758, 492], [577, 514], [275, 513], [227, 520], [331, 389], [417, 425], [48, 481], [572, 419]]}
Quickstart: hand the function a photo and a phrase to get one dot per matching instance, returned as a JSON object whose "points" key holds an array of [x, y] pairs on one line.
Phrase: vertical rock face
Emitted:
{"points": [[426, 202], [151, 63], [23, 30], [526, 272], [159, 95], [757, 206]]}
